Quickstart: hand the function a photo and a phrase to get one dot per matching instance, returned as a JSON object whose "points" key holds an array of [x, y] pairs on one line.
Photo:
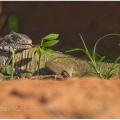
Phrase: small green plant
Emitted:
{"points": [[13, 59], [8, 71], [46, 42], [44, 46], [94, 64]]}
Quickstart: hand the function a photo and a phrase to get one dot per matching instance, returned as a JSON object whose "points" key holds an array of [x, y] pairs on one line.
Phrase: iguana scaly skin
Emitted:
{"points": [[27, 64]]}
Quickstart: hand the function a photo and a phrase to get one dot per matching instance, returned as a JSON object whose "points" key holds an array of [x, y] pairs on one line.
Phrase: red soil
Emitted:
{"points": [[88, 97]]}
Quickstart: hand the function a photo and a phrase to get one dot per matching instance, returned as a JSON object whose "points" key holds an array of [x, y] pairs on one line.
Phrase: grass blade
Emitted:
{"points": [[113, 67], [75, 49], [101, 39]]}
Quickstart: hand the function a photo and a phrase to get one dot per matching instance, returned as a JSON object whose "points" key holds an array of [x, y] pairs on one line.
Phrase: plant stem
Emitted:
{"points": [[13, 56], [39, 62]]}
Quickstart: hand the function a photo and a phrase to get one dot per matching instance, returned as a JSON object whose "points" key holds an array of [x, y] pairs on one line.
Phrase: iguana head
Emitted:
{"points": [[15, 41]]}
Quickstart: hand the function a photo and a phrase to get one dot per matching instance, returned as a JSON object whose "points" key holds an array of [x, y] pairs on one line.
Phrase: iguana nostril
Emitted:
{"points": [[29, 41]]}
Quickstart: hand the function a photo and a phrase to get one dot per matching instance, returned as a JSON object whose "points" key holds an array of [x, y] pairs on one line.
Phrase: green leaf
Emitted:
{"points": [[100, 40], [49, 51], [50, 43], [100, 61], [75, 49], [51, 36], [8, 71], [84, 44], [113, 65], [39, 51]]}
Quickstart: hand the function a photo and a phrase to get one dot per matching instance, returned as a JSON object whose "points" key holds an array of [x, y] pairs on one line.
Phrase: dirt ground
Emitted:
{"points": [[86, 97]]}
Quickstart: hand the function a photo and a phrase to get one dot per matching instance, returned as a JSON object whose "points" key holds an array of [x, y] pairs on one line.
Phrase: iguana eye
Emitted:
{"points": [[14, 37]]}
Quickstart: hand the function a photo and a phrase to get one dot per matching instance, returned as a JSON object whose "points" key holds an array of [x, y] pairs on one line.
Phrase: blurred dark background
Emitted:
{"points": [[67, 18]]}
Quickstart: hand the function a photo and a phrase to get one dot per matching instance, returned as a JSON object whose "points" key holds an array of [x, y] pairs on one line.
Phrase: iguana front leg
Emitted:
{"points": [[56, 68], [6, 68]]}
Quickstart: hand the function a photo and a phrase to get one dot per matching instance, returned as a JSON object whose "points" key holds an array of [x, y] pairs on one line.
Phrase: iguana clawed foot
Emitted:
{"points": [[41, 77]]}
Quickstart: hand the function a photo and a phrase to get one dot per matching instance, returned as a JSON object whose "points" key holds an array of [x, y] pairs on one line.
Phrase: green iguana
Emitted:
{"points": [[27, 62]]}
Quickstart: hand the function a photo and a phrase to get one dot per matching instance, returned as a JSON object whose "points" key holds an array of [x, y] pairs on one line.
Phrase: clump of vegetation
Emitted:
{"points": [[50, 40], [46, 42], [44, 46], [92, 57]]}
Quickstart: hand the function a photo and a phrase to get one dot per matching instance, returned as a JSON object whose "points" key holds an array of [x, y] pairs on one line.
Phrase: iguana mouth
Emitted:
{"points": [[26, 44]]}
